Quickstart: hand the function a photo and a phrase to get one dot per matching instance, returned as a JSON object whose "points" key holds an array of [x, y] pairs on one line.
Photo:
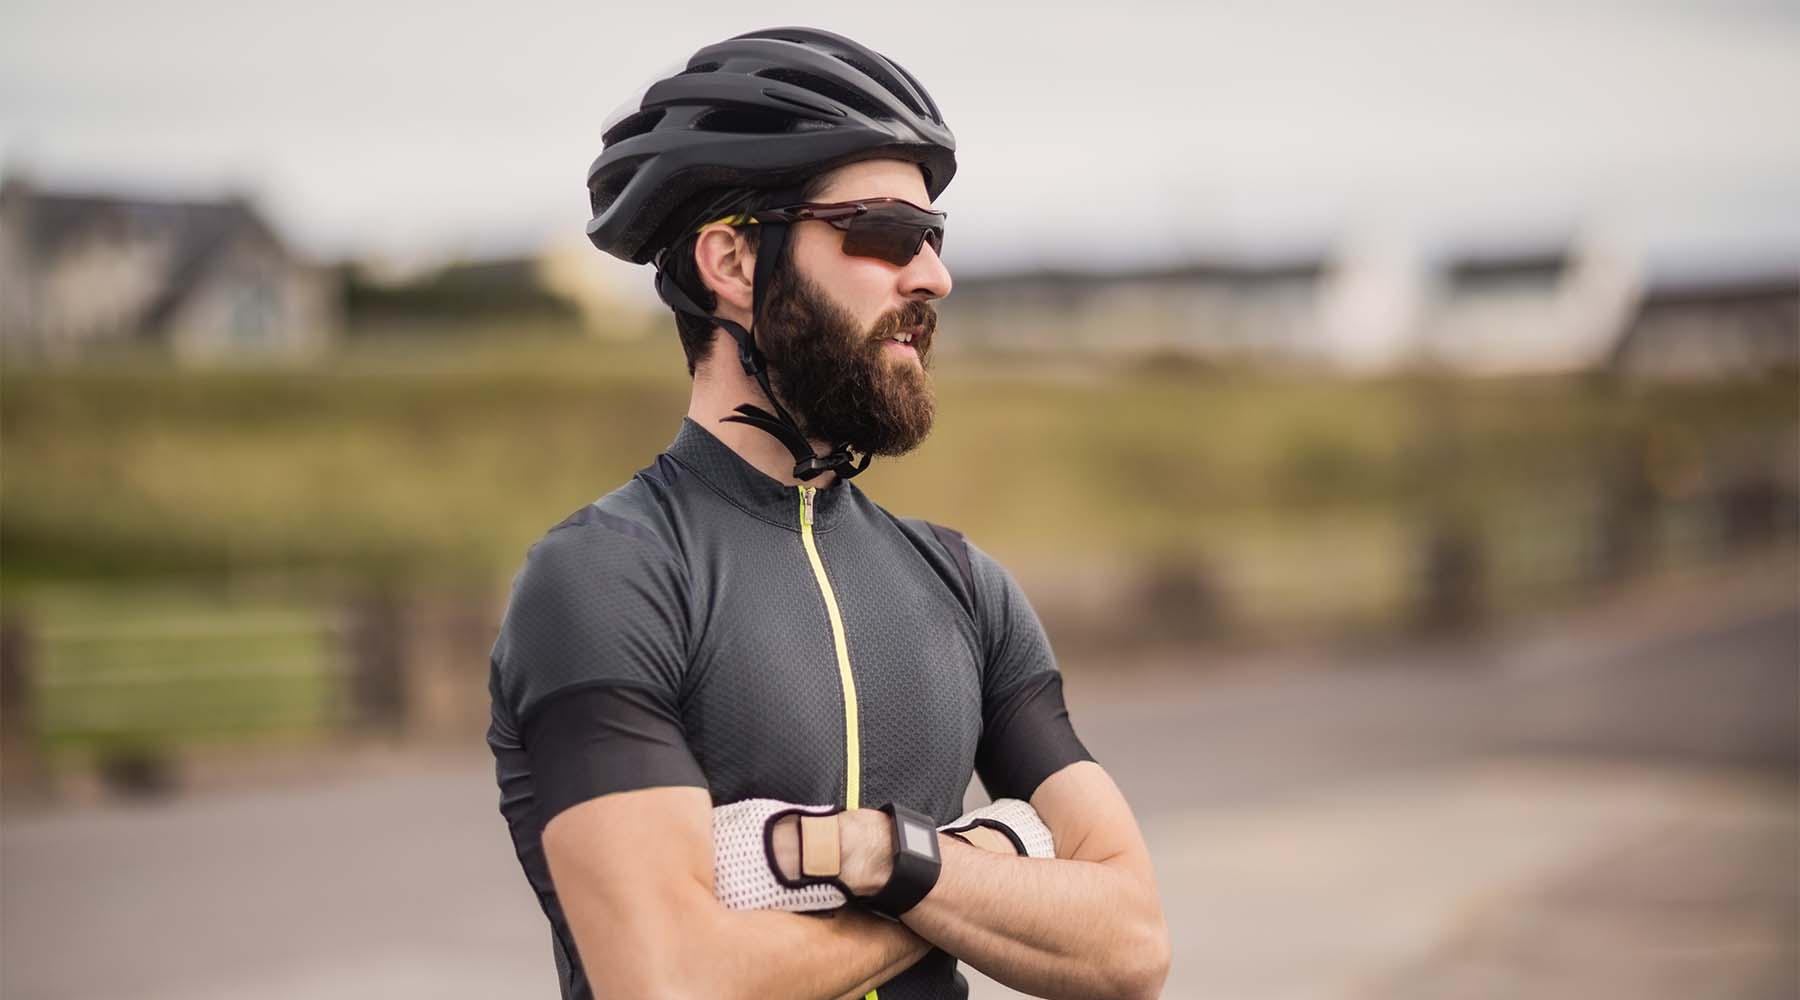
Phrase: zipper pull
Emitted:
{"points": [[806, 500]]}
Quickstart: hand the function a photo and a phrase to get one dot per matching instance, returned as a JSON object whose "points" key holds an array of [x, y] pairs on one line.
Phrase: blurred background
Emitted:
{"points": [[1392, 410]]}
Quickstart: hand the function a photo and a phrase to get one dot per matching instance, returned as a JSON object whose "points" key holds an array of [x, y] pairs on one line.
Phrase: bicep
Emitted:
{"points": [[633, 873], [1090, 819]]}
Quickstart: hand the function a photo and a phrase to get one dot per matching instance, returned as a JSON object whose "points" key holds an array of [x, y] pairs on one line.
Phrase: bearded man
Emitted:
{"points": [[705, 677]]}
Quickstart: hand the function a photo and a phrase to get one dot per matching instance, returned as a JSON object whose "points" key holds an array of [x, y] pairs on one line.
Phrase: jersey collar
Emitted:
{"points": [[749, 488]]}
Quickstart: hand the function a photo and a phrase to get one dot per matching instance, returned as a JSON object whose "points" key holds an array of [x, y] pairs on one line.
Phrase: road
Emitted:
{"points": [[1601, 804]]}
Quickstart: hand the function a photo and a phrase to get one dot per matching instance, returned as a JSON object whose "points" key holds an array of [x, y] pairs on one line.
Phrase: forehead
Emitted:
{"points": [[876, 179]]}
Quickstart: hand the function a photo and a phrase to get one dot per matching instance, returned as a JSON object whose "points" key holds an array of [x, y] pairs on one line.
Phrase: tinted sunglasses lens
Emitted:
{"points": [[893, 235]]}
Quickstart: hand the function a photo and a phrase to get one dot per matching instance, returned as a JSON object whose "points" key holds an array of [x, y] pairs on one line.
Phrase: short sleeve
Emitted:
{"points": [[1027, 734], [590, 660]]}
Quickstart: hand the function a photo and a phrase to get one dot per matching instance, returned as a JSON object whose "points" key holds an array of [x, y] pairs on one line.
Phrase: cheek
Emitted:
{"points": [[867, 289], [863, 286]]}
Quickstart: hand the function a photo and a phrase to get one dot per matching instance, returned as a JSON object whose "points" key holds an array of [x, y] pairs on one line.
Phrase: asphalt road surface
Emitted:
{"points": [[1597, 805]]}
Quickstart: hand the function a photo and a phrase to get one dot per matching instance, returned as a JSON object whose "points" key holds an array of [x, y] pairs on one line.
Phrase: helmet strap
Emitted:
{"points": [[780, 424]]}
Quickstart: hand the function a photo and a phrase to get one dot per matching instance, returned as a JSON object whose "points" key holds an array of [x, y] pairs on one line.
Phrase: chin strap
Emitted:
{"points": [[780, 425]]}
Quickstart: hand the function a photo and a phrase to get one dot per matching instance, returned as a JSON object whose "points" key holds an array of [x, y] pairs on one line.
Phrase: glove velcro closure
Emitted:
{"points": [[805, 880]]}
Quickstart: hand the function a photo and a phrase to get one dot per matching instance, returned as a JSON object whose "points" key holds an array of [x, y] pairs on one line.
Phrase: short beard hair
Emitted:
{"points": [[836, 379]]}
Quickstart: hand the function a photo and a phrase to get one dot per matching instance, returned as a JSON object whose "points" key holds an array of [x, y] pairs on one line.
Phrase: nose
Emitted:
{"points": [[925, 277]]}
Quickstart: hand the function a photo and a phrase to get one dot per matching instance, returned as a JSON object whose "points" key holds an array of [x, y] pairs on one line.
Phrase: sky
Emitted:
{"points": [[1089, 135]]}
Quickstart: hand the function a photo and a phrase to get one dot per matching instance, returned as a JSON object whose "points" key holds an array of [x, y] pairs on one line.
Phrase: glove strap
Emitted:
{"points": [[989, 835], [817, 852]]}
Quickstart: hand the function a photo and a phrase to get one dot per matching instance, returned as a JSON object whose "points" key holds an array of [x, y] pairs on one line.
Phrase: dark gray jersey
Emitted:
{"points": [[706, 625]]}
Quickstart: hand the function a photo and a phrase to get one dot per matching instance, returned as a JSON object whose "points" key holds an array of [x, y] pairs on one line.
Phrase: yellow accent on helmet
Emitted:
{"points": [[740, 219]]}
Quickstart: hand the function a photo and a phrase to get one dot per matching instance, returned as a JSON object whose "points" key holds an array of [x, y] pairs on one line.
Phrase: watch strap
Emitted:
{"points": [[913, 874]]}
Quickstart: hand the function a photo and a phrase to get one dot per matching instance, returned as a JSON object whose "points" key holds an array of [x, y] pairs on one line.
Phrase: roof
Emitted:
{"points": [[50, 223]]}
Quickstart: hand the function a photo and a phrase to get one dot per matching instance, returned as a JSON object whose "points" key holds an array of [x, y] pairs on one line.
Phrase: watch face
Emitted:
{"points": [[920, 840]]}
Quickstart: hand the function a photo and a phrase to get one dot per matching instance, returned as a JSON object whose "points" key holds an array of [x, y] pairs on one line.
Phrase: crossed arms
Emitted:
{"points": [[634, 873]]}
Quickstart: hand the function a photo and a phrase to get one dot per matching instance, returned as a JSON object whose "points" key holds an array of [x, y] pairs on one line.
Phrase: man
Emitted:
{"points": [[740, 635]]}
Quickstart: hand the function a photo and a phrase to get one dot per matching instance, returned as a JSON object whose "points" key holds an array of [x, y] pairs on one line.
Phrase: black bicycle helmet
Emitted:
{"points": [[767, 109], [762, 112]]}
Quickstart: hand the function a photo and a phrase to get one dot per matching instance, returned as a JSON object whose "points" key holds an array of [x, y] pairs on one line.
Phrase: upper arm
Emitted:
{"points": [[1090, 820], [633, 871], [599, 601], [1026, 732], [590, 662]]}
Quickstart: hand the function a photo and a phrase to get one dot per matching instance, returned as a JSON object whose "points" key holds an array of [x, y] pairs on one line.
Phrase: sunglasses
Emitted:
{"points": [[888, 229]]}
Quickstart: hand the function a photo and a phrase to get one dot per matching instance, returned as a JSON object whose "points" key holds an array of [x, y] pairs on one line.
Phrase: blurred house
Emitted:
{"points": [[202, 280], [1208, 308], [1722, 326], [1379, 304]]}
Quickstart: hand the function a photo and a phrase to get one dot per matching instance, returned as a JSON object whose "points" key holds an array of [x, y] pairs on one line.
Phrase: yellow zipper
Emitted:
{"points": [[852, 748], [847, 680]]}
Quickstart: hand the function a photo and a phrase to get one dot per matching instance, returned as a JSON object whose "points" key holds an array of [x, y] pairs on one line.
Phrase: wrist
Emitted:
{"points": [[867, 836]]}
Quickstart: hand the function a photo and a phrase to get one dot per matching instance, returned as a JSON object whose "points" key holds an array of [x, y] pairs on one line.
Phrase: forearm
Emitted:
{"points": [[669, 936], [1046, 926], [714, 952], [828, 955]]}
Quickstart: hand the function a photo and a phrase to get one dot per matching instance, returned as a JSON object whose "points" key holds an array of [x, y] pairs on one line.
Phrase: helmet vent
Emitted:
{"points": [[602, 194], [633, 125], [744, 121], [705, 67], [887, 80], [831, 89]]}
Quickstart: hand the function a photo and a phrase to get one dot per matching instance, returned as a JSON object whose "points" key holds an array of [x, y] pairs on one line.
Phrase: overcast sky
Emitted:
{"points": [[1111, 133]]}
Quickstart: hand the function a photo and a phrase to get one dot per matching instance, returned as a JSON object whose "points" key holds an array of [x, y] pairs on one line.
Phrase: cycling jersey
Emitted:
{"points": [[707, 625]]}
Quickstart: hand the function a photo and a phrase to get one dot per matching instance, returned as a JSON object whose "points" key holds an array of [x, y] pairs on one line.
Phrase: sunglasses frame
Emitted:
{"points": [[842, 215]]}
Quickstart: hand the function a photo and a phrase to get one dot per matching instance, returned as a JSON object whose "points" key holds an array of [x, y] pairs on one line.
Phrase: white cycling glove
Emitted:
{"points": [[743, 871], [1013, 819]]}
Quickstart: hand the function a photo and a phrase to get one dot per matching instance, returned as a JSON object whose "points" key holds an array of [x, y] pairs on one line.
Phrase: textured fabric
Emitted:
{"points": [[742, 879], [690, 586], [1021, 823]]}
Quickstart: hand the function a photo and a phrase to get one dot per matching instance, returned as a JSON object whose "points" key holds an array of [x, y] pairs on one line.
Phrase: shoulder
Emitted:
{"points": [[982, 572], [628, 525], [600, 598], [616, 556]]}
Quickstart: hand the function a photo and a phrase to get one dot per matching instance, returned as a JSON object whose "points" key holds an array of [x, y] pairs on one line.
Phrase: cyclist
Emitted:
{"points": [[737, 679]]}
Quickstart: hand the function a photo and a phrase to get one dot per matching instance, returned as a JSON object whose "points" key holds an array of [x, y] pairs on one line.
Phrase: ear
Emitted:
{"points": [[728, 268]]}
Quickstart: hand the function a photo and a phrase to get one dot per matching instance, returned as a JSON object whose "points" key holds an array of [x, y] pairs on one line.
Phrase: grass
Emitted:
{"points": [[410, 463], [417, 464], [123, 669]]}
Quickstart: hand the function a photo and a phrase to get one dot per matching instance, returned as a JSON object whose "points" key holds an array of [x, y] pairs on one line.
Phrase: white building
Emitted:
{"points": [[202, 280], [1378, 305]]}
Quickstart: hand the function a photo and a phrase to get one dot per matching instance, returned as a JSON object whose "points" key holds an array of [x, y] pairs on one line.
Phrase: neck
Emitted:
{"points": [[719, 388]]}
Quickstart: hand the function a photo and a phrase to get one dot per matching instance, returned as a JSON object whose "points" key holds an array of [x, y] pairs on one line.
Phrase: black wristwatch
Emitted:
{"points": [[916, 864]]}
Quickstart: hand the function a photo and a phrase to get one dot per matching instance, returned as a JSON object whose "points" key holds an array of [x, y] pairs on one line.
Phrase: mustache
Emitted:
{"points": [[917, 313]]}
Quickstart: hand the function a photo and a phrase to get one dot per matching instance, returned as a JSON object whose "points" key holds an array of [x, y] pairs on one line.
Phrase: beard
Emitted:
{"points": [[837, 380]]}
